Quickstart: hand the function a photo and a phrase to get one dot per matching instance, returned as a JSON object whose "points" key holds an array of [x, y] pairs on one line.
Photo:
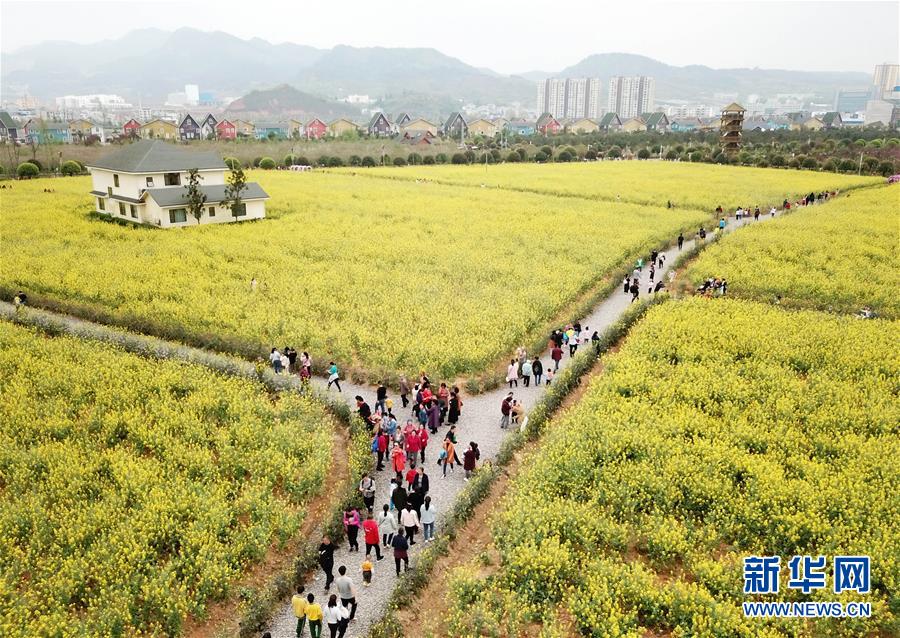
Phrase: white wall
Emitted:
{"points": [[131, 184]]}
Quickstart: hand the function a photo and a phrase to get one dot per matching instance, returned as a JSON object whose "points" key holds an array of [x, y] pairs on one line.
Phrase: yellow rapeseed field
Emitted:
{"points": [[653, 183], [133, 490], [391, 276], [722, 429], [840, 257]]}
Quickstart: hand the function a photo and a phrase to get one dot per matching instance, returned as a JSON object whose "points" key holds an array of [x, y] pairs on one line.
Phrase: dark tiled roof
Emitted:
{"points": [[7, 121], [177, 196], [157, 156], [378, 116], [609, 119]]}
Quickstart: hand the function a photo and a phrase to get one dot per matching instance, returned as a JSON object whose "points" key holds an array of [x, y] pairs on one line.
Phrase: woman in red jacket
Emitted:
{"points": [[370, 529], [413, 445], [398, 462]]}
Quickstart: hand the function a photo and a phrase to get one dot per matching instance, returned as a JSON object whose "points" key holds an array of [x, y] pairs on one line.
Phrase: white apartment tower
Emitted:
{"points": [[629, 96], [887, 76], [569, 97]]}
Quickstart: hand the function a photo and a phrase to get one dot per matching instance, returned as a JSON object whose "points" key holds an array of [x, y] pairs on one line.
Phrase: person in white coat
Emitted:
{"points": [[387, 526], [336, 616], [410, 522]]}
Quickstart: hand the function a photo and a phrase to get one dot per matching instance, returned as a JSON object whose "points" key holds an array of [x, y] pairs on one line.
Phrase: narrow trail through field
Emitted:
{"points": [[479, 422]]}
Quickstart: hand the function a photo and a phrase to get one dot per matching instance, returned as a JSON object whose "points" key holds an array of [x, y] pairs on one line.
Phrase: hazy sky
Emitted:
{"points": [[509, 36]]}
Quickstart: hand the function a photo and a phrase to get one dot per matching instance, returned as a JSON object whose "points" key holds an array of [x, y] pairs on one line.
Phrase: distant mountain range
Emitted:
{"points": [[146, 64]]}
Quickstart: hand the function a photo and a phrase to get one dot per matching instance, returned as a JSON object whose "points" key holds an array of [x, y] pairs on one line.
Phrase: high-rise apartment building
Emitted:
{"points": [[569, 97], [887, 76], [630, 96]]}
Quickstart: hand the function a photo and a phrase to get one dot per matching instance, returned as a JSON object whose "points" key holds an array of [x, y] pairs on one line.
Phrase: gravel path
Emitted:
{"points": [[480, 423]]}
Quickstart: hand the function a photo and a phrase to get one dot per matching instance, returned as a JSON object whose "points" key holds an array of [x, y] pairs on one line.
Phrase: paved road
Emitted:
{"points": [[480, 423]]}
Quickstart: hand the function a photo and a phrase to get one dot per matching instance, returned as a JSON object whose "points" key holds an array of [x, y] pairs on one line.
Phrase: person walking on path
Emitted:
{"points": [[505, 409], [413, 444], [512, 373], [625, 282], [404, 391], [429, 516], [298, 605], [434, 416], [556, 354], [370, 535], [398, 497], [470, 459], [527, 371], [336, 617], [410, 522], [314, 616], [351, 527], [454, 406], [381, 449], [367, 571], [326, 560], [367, 490], [387, 525], [423, 441], [398, 461], [401, 552], [635, 291], [346, 590], [333, 377], [381, 397], [421, 482], [537, 369]]}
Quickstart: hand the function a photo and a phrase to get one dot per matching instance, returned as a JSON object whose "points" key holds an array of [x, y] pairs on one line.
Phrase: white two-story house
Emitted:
{"points": [[145, 182]]}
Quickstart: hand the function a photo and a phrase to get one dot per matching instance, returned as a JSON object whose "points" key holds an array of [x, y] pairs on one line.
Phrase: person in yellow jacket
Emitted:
{"points": [[298, 604], [314, 616]]}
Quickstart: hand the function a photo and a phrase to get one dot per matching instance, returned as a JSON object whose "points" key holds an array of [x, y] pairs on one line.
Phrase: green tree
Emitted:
{"points": [[232, 163], [414, 159], [368, 160], [696, 156], [870, 164], [355, 160], [441, 158], [643, 154], [886, 168], [591, 154], [523, 153], [323, 160], [564, 156], [810, 163], [671, 154], [458, 158], [196, 198], [830, 165], [289, 160], [777, 160], [27, 170], [540, 156], [847, 166], [267, 163], [237, 184], [70, 167], [428, 160], [399, 161], [334, 161], [513, 157]]}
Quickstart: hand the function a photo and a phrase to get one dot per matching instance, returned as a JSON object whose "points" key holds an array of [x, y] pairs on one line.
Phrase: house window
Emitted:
{"points": [[239, 210], [122, 209], [212, 211], [101, 203], [149, 182], [134, 211], [173, 179], [177, 215], [116, 181], [109, 190]]}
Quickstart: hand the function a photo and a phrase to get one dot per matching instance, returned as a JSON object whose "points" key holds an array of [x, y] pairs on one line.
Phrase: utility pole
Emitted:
{"points": [[859, 168]]}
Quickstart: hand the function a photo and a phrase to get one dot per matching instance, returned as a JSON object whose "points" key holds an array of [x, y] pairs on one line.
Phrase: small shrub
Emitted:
{"points": [[441, 158], [368, 160], [267, 163], [399, 161], [512, 157], [643, 154], [70, 167], [540, 156], [458, 158], [232, 163], [27, 170], [335, 161], [428, 160]]}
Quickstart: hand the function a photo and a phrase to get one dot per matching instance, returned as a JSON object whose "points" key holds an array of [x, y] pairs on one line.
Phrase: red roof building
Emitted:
{"points": [[225, 130], [316, 129]]}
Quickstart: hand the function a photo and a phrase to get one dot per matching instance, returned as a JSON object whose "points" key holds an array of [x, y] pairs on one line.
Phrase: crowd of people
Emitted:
{"points": [[402, 450]]}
